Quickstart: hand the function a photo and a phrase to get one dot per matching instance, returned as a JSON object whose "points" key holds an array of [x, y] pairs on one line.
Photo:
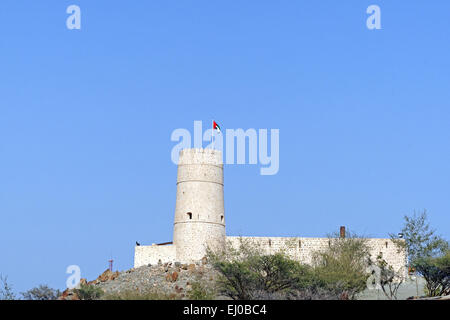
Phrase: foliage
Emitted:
{"points": [[201, 291], [248, 273], [390, 280], [88, 292], [6, 291], [436, 271], [419, 239], [147, 294], [42, 292], [342, 266]]}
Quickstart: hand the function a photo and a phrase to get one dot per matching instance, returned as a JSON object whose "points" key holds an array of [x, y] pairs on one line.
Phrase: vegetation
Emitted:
{"points": [[88, 292], [342, 267], [436, 271], [148, 294], [42, 292], [419, 239], [390, 280], [428, 253], [6, 291], [247, 273], [201, 291]]}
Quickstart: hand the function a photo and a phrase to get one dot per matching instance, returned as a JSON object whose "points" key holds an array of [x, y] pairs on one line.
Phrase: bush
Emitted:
{"points": [[341, 268], [88, 292], [201, 291], [247, 273], [390, 280], [6, 291], [420, 240], [43, 292], [139, 295], [436, 272]]}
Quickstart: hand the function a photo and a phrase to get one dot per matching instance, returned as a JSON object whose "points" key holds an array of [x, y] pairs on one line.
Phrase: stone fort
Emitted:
{"points": [[200, 221]]}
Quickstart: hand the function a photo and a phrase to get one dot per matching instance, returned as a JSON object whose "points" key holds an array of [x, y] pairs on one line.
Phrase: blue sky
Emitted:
{"points": [[86, 118]]}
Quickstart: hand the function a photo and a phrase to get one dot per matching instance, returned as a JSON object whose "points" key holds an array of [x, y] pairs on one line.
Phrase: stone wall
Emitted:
{"points": [[301, 249], [143, 255]]}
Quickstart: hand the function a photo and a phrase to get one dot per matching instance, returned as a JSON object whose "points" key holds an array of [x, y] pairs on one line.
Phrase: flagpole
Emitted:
{"points": [[212, 133]]}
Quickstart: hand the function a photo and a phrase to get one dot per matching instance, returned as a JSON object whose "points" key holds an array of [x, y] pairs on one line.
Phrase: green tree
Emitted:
{"points": [[247, 273], [420, 240], [42, 292], [436, 271], [343, 265], [88, 292]]}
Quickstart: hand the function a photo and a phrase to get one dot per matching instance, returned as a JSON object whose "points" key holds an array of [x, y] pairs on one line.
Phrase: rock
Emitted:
{"points": [[114, 276], [177, 280], [172, 296], [204, 260], [191, 267], [75, 297], [178, 289], [105, 276], [93, 282], [83, 282], [172, 277], [65, 294]]}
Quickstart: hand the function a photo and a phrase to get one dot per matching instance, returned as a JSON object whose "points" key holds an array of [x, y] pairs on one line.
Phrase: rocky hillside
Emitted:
{"points": [[167, 281]]}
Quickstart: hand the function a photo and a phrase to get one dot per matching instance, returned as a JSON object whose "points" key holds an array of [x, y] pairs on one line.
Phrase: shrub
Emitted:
{"points": [[42, 292], [420, 240], [147, 294], [390, 280], [201, 291], [341, 268], [436, 272], [89, 292], [6, 291], [247, 273]]}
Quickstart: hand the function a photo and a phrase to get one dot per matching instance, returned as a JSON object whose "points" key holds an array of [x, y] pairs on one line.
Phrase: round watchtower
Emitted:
{"points": [[199, 212]]}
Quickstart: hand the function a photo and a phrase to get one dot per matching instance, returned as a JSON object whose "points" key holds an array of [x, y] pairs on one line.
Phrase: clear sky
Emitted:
{"points": [[86, 118]]}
